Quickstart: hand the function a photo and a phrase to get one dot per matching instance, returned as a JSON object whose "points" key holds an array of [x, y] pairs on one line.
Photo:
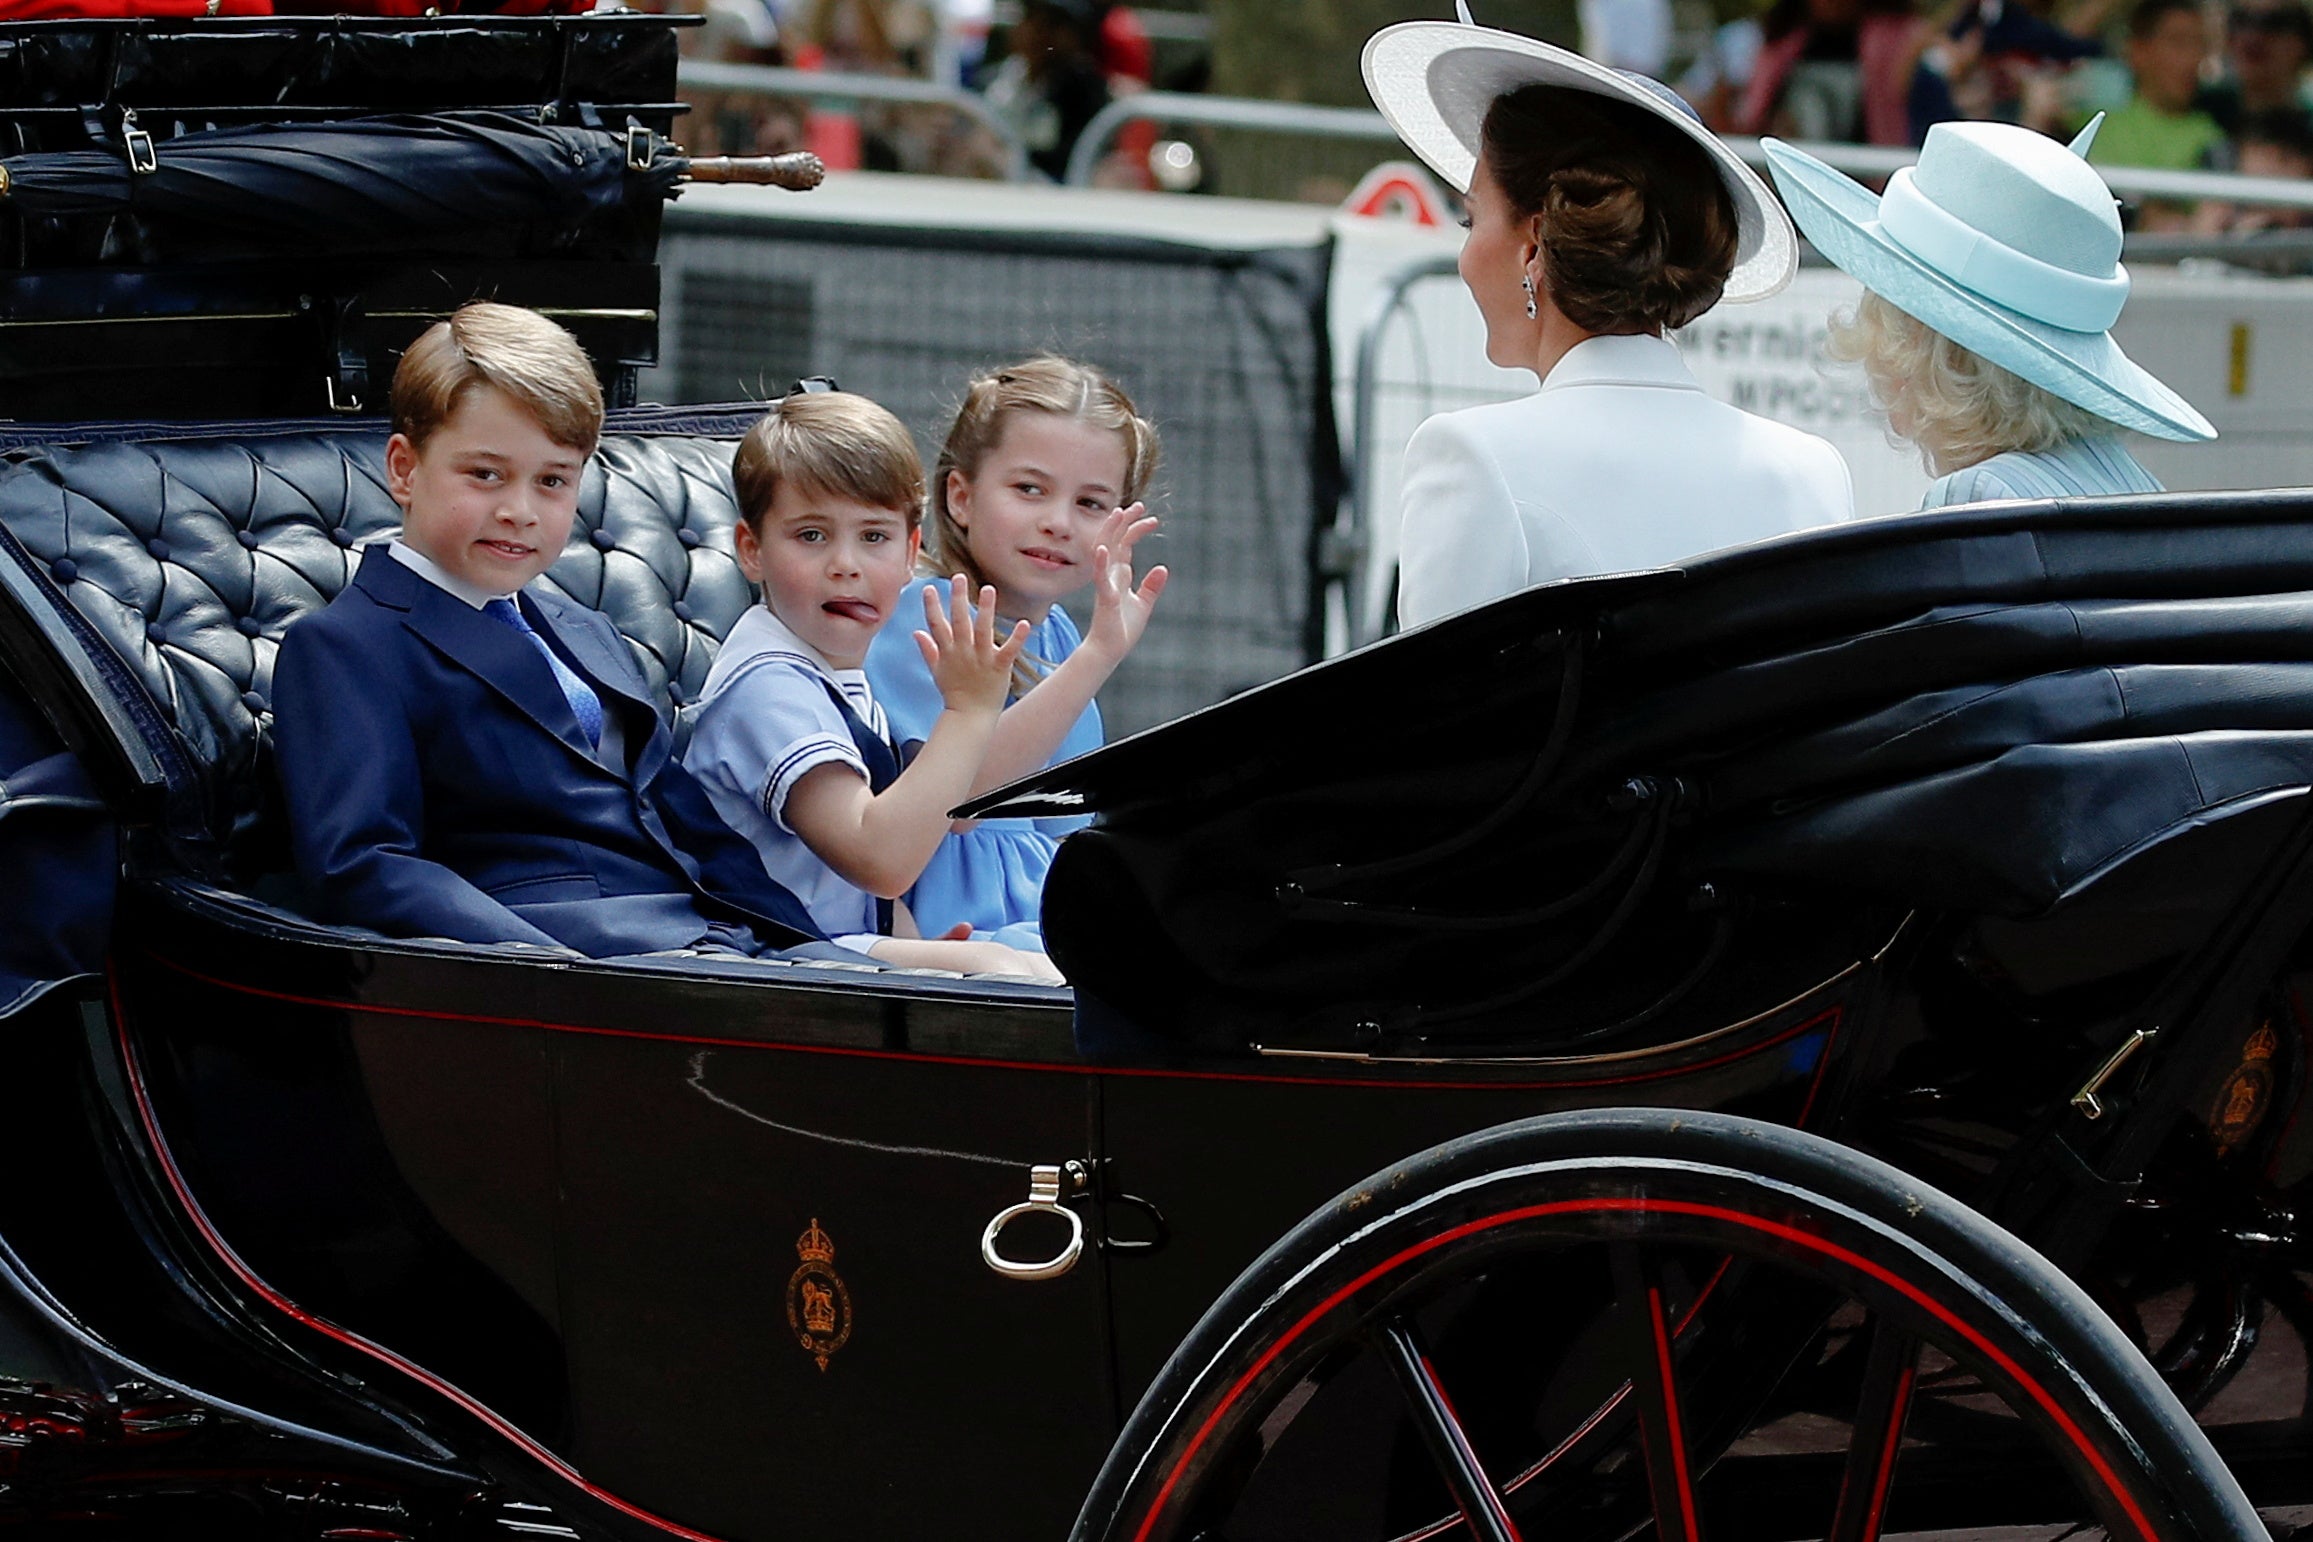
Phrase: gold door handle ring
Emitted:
{"points": [[1043, 1198]]}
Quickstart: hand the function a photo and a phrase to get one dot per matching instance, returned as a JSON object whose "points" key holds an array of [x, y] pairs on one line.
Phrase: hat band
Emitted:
{"points": [[2077, 302]]}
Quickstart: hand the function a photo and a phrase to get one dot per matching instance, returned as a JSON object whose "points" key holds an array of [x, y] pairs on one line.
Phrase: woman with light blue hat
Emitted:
{"points": [[1602, 215], [1992, 277]]}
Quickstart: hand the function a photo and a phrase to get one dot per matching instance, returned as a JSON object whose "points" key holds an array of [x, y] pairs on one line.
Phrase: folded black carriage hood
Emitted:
{"points": [[1985, 709]]}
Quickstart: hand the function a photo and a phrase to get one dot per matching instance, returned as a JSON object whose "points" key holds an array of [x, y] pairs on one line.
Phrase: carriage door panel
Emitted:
{"points": [[1234, 1160], [1234, 1164], [778, 1318]]}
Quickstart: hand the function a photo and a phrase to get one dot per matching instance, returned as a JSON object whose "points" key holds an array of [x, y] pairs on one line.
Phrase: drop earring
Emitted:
{"points": [[1526, 281]]}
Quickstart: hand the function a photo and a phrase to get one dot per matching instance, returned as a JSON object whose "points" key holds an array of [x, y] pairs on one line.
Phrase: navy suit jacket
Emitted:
{"points": [[438, 784]]}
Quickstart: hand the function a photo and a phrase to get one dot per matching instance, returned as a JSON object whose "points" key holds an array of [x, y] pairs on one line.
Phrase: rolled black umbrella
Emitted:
{"points": [[367, 183]]}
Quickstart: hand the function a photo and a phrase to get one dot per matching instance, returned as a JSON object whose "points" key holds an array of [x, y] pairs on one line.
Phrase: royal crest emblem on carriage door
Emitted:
{"points": [[2241, 1104], [818, 1307]]}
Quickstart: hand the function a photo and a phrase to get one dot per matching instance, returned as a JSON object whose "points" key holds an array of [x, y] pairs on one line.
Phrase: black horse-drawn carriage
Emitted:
{"points": [[1809, 1044]]}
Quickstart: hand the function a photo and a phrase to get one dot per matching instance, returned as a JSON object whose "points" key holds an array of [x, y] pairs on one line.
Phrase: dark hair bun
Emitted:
{"points": [[1638, 232]]}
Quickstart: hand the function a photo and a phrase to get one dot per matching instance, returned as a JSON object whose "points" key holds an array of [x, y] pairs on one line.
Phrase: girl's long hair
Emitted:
{"points": [[1046, 383]]}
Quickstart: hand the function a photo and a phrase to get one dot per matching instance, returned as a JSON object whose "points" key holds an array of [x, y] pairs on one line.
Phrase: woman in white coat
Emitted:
{"points": [[1601, 214]]}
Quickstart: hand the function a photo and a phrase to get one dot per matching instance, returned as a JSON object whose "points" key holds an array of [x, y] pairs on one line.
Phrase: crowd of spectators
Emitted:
{"points": [[1045, 71], [2182, 86]]}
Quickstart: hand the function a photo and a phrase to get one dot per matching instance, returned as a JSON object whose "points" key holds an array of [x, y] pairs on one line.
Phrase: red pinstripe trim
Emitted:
{"points": [[1884, 1478], [1550, 1457], [429, 1014], [1642, 1205], [1674, 1434], [248, 1277]]}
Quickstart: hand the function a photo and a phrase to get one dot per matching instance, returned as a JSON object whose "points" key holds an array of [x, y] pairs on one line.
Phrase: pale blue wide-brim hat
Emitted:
{"points": [[2004, 241]]}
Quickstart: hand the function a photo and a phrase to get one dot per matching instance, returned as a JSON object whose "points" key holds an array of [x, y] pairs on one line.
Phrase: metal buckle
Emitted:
{"points": [[142, 158], [352, 403], [639, 149]]}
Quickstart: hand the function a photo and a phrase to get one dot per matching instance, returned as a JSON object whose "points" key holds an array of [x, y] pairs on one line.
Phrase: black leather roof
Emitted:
{"points": [[1985, 709]]}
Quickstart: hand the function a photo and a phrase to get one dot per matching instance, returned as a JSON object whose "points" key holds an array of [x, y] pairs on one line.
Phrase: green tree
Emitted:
{"points": [[1307, 51]]}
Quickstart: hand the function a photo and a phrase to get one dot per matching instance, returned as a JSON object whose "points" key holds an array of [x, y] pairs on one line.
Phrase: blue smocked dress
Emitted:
{"points": [[992, 875], [2082, 468]]}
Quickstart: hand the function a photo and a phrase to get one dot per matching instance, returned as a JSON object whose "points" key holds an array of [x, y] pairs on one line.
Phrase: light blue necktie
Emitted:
{"points": [[584, 704]]}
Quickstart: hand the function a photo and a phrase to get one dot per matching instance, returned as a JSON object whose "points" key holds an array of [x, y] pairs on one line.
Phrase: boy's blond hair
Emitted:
{"points": [[831, 442], [518, 351]]}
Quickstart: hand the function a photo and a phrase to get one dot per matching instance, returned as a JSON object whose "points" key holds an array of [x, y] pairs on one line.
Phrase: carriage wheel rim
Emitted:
{"points": [[1782, 1231]]}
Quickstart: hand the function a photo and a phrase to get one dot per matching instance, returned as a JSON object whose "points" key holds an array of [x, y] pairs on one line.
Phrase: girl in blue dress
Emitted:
{"points": [[1037, 495]]}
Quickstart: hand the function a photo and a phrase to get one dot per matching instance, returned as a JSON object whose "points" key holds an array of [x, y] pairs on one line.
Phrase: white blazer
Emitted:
{"points": [[1621, 461]]}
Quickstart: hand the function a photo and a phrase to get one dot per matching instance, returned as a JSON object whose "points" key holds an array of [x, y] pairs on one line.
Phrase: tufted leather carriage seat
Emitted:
{"points": [[188, 553]]}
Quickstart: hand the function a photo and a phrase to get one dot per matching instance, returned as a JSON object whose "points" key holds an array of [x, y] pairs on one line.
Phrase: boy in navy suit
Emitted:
{"points": [[465, 758]]}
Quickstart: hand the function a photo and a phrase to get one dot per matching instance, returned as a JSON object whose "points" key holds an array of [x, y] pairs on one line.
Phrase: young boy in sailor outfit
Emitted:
{"points": [[789, 742]]}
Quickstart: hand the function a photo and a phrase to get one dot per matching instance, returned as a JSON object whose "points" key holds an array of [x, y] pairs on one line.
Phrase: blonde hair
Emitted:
{"points": [[1046, 383], [831, 442], [1957, 407], [518, 352]]}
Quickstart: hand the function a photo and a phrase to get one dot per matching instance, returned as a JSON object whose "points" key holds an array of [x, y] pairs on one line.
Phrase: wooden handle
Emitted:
{"points": [[799, 170]]}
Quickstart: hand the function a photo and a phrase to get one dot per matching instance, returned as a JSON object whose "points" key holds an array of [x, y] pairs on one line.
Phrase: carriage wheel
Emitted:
{"points": [[1589, 1325]]}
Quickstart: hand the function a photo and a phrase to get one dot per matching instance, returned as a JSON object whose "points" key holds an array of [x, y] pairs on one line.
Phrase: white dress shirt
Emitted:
{"points": [[1620, 462]]}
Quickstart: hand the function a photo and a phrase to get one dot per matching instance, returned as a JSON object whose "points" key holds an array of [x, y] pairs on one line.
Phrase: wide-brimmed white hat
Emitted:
{"points": [[1435, 80], [2007, 243]]}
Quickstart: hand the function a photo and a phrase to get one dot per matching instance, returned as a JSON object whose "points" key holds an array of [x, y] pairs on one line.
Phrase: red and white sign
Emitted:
{"points": [[1401, 190]]}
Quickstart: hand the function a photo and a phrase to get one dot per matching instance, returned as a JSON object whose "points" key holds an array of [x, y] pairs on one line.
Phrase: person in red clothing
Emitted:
{"points": [[1130, 59], [1125, 50], [1835, 69]]}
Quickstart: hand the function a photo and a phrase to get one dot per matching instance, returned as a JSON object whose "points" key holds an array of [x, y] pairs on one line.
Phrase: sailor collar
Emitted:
{"points": [[758, 633]]}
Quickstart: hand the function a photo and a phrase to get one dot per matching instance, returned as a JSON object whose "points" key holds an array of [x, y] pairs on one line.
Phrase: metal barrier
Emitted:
{"points": [[1218, 112], [1855, 160], [765, 80], [2128, 181], [1350, 543], [1363, 123]]}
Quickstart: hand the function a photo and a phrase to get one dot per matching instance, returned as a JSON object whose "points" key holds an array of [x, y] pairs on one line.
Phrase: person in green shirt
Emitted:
{"points": [[2159, 126]]}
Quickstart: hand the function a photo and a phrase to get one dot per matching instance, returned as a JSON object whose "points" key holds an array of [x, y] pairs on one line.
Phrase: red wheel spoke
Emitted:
{"points": [[1644, 1321], [1889, 1376], [1441, 1431]]}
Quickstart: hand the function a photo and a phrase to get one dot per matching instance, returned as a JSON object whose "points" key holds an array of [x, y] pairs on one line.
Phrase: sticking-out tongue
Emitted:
{"points": [[857, 610]]}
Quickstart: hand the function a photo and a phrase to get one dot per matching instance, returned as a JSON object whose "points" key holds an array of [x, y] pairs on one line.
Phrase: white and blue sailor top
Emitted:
{"points": [[766, 717]]}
